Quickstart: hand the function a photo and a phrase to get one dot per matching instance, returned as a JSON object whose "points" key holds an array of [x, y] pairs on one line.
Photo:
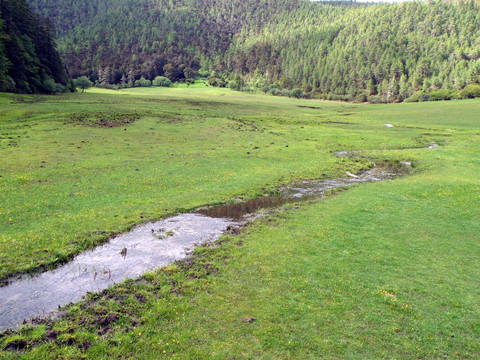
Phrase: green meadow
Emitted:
{"points": [[385, 270]]}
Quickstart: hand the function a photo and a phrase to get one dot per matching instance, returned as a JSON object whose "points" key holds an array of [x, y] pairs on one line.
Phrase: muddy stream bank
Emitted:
{"points": [[153, 245]]}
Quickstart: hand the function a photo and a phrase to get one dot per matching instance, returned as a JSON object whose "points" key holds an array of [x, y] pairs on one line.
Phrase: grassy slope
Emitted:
{"points": [[384, 270]]}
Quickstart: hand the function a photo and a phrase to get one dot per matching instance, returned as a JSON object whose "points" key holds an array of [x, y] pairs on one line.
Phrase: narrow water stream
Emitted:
{"points": [[150, 246]]}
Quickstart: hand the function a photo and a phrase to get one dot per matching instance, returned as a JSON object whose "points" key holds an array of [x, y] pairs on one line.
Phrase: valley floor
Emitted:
{"points": [[383, 270]]}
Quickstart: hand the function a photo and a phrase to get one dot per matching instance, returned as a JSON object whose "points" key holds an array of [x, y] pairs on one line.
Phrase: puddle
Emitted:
{"points": [[150, 246], [302, 191]]}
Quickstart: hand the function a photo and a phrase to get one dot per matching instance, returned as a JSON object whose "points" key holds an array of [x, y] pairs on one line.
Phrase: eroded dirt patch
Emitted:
{"points": [[104, 119]]}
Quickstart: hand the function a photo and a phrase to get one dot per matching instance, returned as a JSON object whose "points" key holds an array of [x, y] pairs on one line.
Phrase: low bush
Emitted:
{"points": [[470, 92], [419, 97], [162, 81]]}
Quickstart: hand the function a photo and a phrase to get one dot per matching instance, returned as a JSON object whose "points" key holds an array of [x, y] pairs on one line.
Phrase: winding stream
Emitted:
{"points": [[153, 245]]}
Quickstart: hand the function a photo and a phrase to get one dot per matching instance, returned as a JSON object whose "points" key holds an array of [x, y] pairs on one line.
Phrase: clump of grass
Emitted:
{"points": [[162, 234]]}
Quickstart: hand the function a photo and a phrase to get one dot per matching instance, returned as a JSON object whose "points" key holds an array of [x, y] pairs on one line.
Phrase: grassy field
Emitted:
{"points": [[384, 270]]}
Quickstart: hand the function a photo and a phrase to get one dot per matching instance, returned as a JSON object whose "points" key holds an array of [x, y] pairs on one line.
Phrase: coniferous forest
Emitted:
{"points": [[337, 50], [29, 62]]}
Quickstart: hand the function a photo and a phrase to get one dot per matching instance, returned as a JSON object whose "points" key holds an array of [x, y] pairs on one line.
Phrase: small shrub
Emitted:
{"points": [[298, 93], [265, 89], [442, 94], [361, 97], [374, 99], [469, 92], [143, 83], [162, 81], [234, 85], [274, 91], [419, 97], [215, 81]]}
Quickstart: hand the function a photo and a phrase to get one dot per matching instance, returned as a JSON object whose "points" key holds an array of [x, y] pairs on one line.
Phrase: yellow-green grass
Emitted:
{"points": [[383, 270], [66, 187]]}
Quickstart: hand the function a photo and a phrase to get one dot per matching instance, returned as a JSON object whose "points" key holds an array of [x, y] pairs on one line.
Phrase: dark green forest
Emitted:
{"points": [[379, 52], [29, 62]]}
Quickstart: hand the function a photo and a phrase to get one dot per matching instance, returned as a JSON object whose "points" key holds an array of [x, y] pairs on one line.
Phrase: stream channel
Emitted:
{"points": [[153, 245]]}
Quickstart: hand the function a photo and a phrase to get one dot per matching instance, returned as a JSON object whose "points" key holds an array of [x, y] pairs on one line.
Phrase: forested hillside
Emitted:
{"points": [[385, 50], [29, 62], [122, 40], [382, 52]]}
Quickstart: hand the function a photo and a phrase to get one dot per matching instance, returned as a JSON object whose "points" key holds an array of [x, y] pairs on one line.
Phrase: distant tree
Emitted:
{"points": [[405, 89], [4, 64], [385, 90], [83, 83], [189, 73], [472, 77], [105, 76], [393, 89], [124, 80], [170, 72], [371, 89]]}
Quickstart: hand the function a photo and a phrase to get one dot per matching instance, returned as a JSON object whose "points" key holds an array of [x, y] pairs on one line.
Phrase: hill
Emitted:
{"points": [[382, 52]]}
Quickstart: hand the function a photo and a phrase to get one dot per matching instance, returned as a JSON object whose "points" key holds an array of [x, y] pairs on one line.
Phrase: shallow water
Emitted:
{"points": [[126, 256], [299, 191], [150, 246]]}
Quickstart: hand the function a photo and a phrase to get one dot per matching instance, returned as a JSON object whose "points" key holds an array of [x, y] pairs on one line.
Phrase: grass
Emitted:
{"points": [[68, 182], [383, 270]]}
